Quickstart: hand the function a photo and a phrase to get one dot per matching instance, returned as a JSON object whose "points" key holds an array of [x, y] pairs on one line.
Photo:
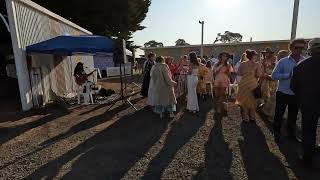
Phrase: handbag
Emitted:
{"points": [[257, 92]]}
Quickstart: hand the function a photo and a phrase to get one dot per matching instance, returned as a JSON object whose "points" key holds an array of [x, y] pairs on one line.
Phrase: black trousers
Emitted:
{"points": [[310, 116], [282, 102]]}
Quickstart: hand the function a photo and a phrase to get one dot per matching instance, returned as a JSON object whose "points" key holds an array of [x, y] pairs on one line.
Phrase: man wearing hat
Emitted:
{"points": [[307, 90]]}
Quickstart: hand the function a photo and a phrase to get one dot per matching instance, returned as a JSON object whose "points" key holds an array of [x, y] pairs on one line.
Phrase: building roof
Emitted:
{"points": [[45, 11], [220, 44]]}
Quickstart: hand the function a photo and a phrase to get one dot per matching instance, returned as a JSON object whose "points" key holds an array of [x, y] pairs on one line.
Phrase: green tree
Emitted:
{"points": [[153, 43], [113, 18], [228, 37], [181, 42]]}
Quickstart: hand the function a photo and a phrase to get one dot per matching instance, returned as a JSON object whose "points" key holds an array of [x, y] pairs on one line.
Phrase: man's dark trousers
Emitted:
{"points": [[310, 116], [282, 102]]}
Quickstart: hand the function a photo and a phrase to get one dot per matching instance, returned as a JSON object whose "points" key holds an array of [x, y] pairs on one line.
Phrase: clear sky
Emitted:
{"points": [[169, 20]]}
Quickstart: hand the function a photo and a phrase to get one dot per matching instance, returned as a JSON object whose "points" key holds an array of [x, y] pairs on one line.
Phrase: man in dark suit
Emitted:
{"points": [[305, 85]]}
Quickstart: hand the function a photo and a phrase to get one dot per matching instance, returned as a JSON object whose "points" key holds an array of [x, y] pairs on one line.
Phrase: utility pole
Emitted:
{"points": [[201, 51], [295, 19]]}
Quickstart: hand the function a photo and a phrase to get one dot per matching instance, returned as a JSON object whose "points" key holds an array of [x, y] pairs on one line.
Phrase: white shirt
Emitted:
{"points": [[236, 68], [214, 61]]}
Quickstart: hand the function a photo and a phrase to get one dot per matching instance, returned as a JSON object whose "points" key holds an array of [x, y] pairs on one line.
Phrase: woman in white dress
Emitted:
{"points": [[192, 83]]}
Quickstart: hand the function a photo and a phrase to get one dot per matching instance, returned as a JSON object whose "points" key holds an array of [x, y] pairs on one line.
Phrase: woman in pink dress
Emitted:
{"points": [[222, 72], [172, 67], [181, 72]]}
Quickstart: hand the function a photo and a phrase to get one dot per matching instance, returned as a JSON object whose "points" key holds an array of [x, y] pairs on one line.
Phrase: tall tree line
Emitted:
{"points": [[113, 18]]}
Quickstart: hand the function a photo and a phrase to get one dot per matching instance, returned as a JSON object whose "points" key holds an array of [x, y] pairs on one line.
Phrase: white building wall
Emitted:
{"points": [[30, 24]]}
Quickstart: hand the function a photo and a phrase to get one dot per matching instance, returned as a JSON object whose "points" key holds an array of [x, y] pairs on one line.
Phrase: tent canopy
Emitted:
{"points": [[72, 45]]}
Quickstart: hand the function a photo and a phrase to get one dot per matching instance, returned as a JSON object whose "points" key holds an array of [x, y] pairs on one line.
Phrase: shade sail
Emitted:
{"points": [[72, 45]]}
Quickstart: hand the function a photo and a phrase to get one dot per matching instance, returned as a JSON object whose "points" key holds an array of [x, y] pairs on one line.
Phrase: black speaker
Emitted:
{"points": [[119, 50], [104, 73]]}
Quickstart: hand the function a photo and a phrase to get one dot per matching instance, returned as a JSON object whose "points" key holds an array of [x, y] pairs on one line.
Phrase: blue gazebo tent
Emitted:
{"points": [[72, 45]]}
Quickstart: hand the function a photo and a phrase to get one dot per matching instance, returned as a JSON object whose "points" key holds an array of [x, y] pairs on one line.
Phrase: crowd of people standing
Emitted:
{"points": [[270, 83]]}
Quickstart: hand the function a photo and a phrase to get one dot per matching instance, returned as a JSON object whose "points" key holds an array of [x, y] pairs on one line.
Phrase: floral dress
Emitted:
{"points": [[222, 78]]}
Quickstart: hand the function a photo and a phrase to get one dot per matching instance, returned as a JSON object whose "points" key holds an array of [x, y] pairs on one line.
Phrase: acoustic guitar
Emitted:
{"points": [[81, 79]]}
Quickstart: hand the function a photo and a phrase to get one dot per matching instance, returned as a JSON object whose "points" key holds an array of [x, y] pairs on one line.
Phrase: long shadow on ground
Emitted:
{"points": [[9, 133], [182, 131], [259, 162], [218, 155], [89, 123], [84, 125], [291, 152], [110, 153]]}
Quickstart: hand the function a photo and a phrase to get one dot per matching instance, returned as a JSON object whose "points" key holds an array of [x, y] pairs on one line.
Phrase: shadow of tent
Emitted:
{"points": [[110, 153], [8, 133], [109, 104], [84, 125], [89, 123], [16, 116]]}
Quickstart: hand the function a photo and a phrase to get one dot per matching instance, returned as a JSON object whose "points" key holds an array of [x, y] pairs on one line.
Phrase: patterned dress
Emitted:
{"points": [[269, 89], [245, 96], [203, 73], [222, 79], [181, 79], [267, 85]]}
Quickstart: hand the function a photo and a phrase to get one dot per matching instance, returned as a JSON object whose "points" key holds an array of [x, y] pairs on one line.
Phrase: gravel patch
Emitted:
{"points": [[88, 142]]}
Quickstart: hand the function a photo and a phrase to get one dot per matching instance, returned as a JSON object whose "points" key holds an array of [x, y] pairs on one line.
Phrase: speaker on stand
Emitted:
{"points": [[119, 59]]}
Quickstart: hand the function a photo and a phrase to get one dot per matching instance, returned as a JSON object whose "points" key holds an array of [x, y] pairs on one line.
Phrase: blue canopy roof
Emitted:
{"points": [[71, 45]]}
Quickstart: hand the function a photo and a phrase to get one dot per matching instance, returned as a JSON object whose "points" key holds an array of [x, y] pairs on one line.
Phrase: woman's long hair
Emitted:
{"points": [[243, 57], [209, 64], [194, 59], [78, 68], [250, 53], [226, 63]]}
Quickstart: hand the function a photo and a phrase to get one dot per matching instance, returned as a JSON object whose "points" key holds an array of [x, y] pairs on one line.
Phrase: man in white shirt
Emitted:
{"points": [[213, 60]]}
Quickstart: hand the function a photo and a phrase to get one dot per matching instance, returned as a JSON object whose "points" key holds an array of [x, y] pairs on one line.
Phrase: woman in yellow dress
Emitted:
{"points": [[268, 63], [249, 71], [209, 79], [269, 107], [203, 73]]}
